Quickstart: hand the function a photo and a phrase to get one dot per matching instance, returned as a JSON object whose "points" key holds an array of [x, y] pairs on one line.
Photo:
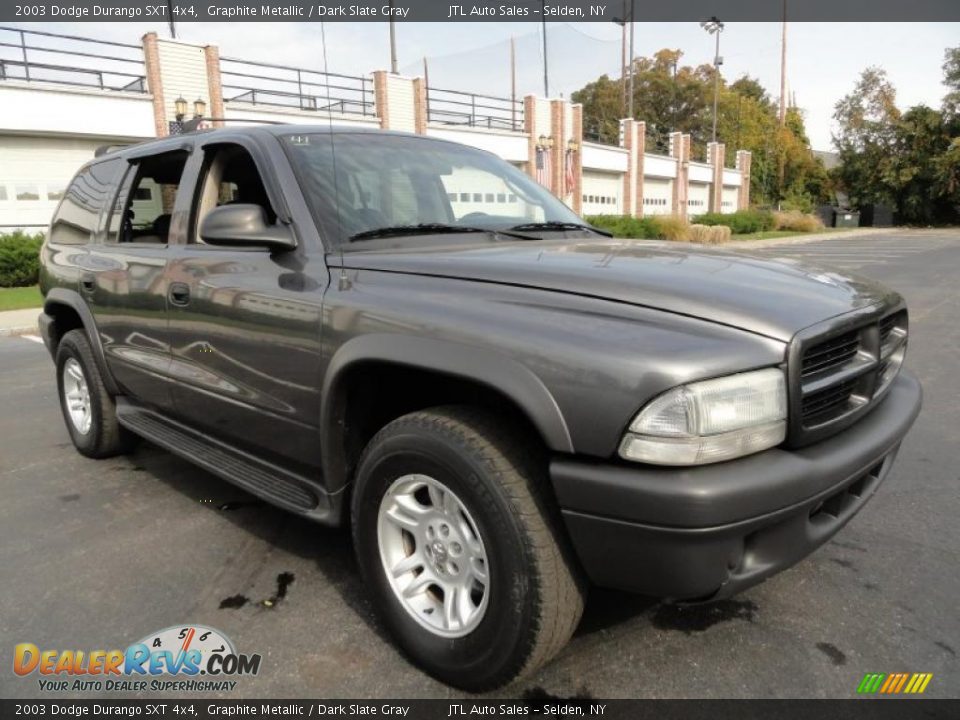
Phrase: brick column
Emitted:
{"points": [[380, 98], [530, 128], [151, 62], [678, 202], [629, 142], [576, 133], [716, 155], [744, 158], [640, 128], [215, 83], [420, 115], [685, 169], [557, 132]]}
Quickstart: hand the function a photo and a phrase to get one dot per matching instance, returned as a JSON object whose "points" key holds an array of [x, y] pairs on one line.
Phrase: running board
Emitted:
{"points": [[272, 483]]}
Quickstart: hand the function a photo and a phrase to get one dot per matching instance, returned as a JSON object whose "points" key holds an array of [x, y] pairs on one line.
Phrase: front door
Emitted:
{"points": [[245, 325]]}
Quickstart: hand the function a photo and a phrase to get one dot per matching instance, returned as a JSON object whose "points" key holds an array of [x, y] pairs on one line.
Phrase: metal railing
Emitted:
{"points": [[282, 86], [30, 55], [452, 107]]}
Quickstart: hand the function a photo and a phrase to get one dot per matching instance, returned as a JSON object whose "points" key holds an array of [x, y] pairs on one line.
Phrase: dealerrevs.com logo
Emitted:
{"points": [[176, 659]]}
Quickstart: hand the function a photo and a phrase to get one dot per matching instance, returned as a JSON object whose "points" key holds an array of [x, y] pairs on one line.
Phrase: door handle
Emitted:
{"points": [[88, 284], [179, 293]]}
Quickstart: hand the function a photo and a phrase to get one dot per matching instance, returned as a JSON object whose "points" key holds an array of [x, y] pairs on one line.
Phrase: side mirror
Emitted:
{"points": [[244, 225]]}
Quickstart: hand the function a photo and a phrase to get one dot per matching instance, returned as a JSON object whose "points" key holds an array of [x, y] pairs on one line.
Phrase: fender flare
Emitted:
{"points": [[72, 299], [469, 362]]}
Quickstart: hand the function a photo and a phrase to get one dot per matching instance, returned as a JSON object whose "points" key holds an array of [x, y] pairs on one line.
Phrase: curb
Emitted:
{"points": [[812, 237], [17, 331]]}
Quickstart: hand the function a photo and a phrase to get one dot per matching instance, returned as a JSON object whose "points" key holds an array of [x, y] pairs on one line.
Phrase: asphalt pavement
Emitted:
{"points": [[97, 554]]}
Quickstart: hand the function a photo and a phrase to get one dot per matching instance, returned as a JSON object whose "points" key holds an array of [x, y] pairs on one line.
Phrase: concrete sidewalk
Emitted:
{"points": [[19, 322]]}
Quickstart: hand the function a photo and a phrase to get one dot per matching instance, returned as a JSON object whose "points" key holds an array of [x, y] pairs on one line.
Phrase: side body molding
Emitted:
{"points": [[71, 298], [469, 362]]}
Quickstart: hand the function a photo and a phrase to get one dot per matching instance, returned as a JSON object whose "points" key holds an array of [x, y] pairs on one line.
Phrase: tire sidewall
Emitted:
{"points": [[86, 443], [495, 648]]}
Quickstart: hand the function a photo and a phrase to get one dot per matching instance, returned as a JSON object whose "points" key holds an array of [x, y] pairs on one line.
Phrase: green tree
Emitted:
{"points": [[866, 138], [911, 159], [672, 97]]}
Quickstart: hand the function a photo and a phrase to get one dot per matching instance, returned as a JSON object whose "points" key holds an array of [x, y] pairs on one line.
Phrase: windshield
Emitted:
{"points": [[391, 181]]}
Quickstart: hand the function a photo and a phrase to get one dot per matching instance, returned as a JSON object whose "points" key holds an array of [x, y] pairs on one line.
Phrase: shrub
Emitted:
{"points": [[656, 227], [740, 222], [624, 226], [20, 259], [709, 234], [798, 221], [671, 227]]}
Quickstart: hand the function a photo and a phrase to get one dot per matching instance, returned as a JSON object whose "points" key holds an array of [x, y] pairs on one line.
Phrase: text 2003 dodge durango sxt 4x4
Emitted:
{"points": [[413, 337]]}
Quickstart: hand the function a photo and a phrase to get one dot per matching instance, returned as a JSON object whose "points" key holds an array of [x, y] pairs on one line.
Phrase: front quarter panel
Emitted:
{"points": [[594, 362]]}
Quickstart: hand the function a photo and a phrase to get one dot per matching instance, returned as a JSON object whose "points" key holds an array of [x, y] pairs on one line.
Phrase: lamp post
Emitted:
{"points": [[179, 126], [622, 22], [715, 27]]}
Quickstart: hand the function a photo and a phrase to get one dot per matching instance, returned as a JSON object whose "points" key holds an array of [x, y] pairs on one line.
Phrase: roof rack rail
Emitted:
{"points": [[104, 149]]}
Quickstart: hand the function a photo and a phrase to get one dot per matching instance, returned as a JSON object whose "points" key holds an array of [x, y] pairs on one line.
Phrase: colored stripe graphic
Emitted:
{"points": [[894, 683]]}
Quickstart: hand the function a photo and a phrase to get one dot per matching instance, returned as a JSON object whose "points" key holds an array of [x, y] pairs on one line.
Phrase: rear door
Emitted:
{"points": [[245, 322], [124, 280]]}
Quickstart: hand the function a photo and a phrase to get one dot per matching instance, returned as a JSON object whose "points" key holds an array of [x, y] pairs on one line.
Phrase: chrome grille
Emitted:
{"points": [[835, 371]]}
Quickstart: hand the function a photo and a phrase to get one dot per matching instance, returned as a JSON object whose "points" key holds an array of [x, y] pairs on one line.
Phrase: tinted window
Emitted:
{"points": [[76, 218], [144, 205], [389, 180]]}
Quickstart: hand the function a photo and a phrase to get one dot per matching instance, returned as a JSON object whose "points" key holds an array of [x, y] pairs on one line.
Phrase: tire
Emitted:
{"points": [[534, 594], [103, 437]]}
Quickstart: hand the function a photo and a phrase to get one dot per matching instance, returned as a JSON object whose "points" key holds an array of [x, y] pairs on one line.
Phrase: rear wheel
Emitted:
{"points": [[88, 409], [461, 545]]}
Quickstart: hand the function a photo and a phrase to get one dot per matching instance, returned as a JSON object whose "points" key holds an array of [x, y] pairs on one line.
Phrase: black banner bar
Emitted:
{"points": [[464, 709], [478, 11]]}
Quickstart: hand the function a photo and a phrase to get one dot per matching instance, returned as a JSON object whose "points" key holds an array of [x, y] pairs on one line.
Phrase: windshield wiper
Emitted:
{"points": [[558, 225], [431, 229]]}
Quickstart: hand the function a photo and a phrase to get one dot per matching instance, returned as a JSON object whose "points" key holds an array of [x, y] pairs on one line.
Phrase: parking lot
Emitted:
{"points": [[97, 554]]}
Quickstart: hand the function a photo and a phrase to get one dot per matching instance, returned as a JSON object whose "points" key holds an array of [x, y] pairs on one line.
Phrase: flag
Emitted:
{"points": [[543, 167]]}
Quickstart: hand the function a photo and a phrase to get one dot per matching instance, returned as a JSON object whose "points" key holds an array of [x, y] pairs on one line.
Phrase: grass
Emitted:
{"points": [[20, 298], [772, 234]]}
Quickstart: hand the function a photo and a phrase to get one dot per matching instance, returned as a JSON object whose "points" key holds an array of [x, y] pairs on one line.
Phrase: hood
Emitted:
{"points": [[775, 298]]}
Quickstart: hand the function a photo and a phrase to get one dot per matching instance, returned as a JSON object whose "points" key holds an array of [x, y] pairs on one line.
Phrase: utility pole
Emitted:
{"points": [[393, 43], [546, 82], [513, 84], [626, 86], [630, 88], [783, 68], [173, 27]]}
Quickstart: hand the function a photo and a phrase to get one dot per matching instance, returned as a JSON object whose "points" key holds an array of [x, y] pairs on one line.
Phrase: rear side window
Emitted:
{"points": [[144, 205], [78, 214]]}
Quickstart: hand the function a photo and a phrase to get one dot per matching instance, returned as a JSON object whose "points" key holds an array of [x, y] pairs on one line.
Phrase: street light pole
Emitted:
{"points": [[715, 27], [393, 43]]}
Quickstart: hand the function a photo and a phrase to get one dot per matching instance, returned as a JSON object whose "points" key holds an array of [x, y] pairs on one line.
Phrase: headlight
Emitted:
{"points": [[711, 420]]}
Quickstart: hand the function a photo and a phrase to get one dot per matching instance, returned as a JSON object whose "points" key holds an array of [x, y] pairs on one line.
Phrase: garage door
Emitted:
{"points": [[34, 171], [657, 196], [698, 199], [728, 201], [602, 193]]}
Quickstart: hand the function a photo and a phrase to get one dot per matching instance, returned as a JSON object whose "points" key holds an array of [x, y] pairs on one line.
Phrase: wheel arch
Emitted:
{"points": [[69, 312], [448, 364]]}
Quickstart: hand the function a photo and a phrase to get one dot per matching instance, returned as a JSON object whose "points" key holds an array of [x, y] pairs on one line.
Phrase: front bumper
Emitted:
{"points": [[709, 532]]}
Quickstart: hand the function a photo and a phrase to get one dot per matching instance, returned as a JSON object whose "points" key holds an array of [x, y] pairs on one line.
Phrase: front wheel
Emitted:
{"points": [[456, 536]]}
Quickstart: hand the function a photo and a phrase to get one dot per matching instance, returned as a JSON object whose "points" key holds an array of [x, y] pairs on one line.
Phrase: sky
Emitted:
{"points": [[823, 59]]}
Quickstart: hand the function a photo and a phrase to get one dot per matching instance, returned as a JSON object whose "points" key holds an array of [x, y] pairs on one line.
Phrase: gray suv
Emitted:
{"points": [[413, 338]]}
